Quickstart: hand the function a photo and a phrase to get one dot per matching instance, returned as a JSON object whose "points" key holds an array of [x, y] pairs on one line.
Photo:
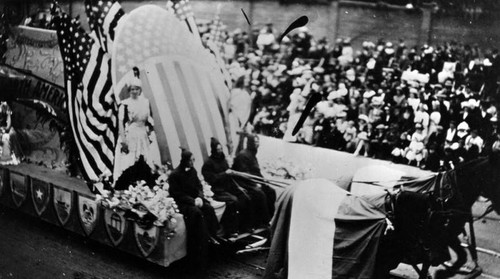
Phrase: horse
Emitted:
{"points": [[322, 231], [460, 189]]}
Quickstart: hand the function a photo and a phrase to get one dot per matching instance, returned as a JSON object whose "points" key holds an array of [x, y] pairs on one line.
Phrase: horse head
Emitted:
{"points": [[478, 177]]}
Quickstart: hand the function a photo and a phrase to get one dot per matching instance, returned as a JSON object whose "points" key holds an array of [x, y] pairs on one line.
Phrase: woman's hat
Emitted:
{"points": [[134, 81], [364, 118], [369, 94], [378, 101]]}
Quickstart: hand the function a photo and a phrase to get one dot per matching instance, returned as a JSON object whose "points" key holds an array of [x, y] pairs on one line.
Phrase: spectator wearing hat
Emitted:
{"points": [[492, 137], [484, 123], [262, 121], [388, 116], [363, 137], [432, 162], [377, 142], [416, 149], [322, 136], [469, 114], [364, 107], [474, 140], [306, 133], [422, 117], [399, 98], [406, 121], [463, 130], [451, 134], [201, 222], [434, 117], [401, 146], [350, 136], [376, 111], [266, 39]]}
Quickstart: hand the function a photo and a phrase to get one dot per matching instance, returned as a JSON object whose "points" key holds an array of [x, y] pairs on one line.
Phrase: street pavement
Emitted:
{"points": [[30, 248]]}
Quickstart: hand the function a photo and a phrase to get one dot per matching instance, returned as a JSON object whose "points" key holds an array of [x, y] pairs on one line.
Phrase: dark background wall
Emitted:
{"points": [[358, 20]]}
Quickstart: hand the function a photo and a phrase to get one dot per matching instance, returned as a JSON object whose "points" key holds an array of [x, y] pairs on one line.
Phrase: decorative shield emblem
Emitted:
{"points": [[63, 203], [116, 225], [19, 188], [40, 194], [146, 239], [88, 212]]}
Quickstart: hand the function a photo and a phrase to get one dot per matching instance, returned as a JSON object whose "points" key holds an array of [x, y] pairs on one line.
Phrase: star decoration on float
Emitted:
{"points": [[39, 194]]}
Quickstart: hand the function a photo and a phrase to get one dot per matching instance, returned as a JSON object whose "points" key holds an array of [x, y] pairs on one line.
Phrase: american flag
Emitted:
{"points": [[103, 17], [182, 9], [215, 34], [91, 103], [180, 79], [184, 12]]}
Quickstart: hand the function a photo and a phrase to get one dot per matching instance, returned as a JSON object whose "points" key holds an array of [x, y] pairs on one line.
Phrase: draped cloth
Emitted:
{"points": [[331, 233]]}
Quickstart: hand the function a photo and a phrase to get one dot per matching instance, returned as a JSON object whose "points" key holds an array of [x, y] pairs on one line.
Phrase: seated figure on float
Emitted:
{"points": [[262, 196], [216, 171], [201, 222], [11, 151]]}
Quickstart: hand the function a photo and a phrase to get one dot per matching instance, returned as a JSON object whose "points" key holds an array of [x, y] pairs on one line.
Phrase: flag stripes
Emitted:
{"points": [[103, 17], [147, 74], [213, 108], [180, 78], [182, 9], [91, 102], [188, 116], [203, 107], [191, 107]]}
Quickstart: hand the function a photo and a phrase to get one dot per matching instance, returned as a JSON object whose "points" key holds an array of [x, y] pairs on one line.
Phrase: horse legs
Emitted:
{"points": [[424, 272], [455, 245]]}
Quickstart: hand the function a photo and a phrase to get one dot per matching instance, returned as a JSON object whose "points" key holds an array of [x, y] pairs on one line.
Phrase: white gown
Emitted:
{"points": [[136, 135]]}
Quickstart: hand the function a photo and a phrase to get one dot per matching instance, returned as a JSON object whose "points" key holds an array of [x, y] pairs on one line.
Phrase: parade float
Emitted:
{"points": [[189, 103], [68, 123]]}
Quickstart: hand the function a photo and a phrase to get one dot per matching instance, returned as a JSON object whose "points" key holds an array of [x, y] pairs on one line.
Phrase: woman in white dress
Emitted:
{"points": [[136, 135]]}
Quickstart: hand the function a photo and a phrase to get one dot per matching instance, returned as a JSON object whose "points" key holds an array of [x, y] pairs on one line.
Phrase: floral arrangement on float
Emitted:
{"points": [[285, 169], [146, 204]]}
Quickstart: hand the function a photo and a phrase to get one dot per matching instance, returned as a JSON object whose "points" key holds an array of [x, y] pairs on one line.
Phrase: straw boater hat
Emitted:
{"points": [[369, 94], [364, 118]]}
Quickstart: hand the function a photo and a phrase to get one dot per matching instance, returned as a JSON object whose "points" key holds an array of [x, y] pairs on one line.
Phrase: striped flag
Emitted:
{"points": [[182, 9], [91, 103], [215, 34], [187, 94], [331, 233], [103, 17]]}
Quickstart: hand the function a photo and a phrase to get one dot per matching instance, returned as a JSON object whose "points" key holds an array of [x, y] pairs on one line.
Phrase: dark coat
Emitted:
{"points": [[214, 172], [246, 161], [185, 186]]}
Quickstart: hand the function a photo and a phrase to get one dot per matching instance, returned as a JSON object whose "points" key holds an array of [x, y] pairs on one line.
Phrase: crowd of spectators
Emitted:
{"points": [[429, 106]]}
